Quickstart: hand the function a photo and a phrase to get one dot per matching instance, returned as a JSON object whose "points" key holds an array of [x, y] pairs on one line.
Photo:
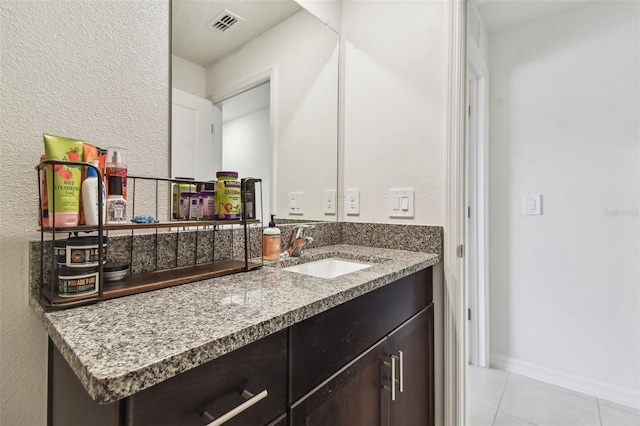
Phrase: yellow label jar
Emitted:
{"points": [[228, 197]]}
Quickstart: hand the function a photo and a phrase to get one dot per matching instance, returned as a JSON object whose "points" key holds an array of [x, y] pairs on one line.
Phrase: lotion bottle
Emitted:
{"points": [[116, 205], [271, 241], [90, 199]]}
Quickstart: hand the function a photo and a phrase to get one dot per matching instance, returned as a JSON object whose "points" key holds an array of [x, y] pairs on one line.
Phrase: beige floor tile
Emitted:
{"points": [[539, 404], [559, 388], [507, 420], [614, 417], [479, 415], [611, 404], [485, 385]]}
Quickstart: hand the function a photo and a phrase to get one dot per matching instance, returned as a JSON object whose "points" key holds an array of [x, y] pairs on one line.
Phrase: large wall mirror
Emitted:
{"points": [[255, 90]]}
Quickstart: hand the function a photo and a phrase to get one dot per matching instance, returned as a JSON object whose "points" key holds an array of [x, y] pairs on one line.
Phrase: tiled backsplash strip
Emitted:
{"points": [[174, 249]]}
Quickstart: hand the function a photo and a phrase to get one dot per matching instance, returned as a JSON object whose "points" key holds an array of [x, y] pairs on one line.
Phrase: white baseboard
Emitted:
{"points": [[595, 388]]}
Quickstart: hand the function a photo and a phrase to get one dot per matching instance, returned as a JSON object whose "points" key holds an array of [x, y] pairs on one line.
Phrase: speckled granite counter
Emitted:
{"points": [[122, 346]]}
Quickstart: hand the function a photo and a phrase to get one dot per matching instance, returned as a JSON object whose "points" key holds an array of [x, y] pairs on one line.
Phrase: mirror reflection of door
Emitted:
{"points": [[233, 134], [246, 130], [192, 147]]}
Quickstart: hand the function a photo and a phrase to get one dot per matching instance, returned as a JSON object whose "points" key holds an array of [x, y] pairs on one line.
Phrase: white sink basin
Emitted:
{"points": [[328, 268]]}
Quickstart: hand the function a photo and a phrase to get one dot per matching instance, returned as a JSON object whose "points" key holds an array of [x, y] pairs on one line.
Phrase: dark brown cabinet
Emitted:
{"points": [[254, 375], [354, 396], [411, 349], [366, 362], [389, 384]]}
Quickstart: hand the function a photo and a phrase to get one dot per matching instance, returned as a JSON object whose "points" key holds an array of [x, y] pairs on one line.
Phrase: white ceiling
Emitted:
{"points": [[194, 39], [498, 15]]}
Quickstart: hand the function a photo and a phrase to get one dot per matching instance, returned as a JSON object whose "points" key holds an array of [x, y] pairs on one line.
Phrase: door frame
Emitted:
{"points": [[477, 198], [268, 74], [455, 322]]}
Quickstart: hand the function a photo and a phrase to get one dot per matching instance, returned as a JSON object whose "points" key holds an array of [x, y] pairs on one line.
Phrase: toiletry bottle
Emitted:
{"points": [[116, 205], [117, 165], [176, 192], [271, 242], [64, 181], [90, 199]]}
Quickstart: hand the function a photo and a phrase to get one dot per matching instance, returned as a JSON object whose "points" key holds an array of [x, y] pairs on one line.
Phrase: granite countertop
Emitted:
{"points": [[121, 346]]}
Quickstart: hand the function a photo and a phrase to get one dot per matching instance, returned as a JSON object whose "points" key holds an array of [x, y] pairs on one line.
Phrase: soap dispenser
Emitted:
{"points": [[271, 241]]}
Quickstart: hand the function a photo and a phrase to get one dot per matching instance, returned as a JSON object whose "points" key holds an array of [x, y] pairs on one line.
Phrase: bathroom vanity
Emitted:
{"points": [[281, 348]]}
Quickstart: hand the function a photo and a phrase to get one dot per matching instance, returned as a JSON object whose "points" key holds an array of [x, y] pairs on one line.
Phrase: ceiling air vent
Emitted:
{"points": [[225, 20]]}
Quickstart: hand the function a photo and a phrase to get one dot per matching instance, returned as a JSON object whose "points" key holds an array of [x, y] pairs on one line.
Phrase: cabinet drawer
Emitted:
{"points": [[323, 344], [217, 387]]}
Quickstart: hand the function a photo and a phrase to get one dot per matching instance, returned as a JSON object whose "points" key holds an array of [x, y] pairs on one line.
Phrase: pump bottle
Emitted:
{"points": [[271, 241]]}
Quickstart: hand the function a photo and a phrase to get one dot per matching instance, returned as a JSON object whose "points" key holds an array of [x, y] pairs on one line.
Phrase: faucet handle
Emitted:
{"points": [[299, 230]]}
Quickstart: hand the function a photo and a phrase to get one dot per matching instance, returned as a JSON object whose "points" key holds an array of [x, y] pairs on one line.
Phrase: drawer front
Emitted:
{"points": [[217, 388], [323, 344]]}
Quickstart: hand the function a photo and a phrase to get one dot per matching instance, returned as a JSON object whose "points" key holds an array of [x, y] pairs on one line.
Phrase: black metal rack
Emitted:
{"points": [[135, 283]]}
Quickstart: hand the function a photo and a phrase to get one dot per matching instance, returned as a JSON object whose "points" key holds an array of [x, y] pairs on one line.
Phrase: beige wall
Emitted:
{"points": [[96, 71]]}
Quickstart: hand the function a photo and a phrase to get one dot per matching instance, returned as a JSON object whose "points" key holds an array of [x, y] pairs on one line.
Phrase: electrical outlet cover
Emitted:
{"points": [[329, 202], [352, 206]]}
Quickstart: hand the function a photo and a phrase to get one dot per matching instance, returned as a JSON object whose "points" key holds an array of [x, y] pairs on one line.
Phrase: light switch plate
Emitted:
{"points": [[329, 202], [296, 203], [353, 202], [531, 204], [400, 203]]}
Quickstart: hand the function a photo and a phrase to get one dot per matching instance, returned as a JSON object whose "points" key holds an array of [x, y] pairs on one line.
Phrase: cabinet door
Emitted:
{"points": [[325, 343], [411, 345], [218, 387], [355, 396]]}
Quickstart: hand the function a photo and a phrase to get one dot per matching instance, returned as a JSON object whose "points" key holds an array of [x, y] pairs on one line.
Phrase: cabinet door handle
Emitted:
{"points": [[393, 377], [251, 399], [401, 371]]}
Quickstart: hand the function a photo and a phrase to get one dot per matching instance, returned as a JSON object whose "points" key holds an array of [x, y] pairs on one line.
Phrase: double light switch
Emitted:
{"points": [[400, 203]]}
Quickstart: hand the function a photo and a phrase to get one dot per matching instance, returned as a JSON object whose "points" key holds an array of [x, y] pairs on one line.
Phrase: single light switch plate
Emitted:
{"points": [[329, 202], [532, 204], [296, 203], [400, 203], [353, 202]]}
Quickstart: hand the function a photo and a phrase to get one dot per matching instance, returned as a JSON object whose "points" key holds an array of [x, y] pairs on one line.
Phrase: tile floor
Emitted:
{"points": [[500, 398]]}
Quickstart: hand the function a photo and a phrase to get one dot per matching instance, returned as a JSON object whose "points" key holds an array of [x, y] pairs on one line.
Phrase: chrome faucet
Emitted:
{"points": [[297, 241]]}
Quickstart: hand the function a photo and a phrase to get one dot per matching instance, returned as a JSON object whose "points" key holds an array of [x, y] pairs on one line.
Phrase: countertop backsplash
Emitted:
{"points": [[185, 247]]}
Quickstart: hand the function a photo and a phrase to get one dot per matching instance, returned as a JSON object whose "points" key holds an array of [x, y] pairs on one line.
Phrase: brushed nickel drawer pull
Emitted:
{"points": [[393, 377], [251, 400]]}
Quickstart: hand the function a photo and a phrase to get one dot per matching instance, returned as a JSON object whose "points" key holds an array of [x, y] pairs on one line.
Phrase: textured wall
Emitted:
{"points": [[96, 71], [395, 106]]}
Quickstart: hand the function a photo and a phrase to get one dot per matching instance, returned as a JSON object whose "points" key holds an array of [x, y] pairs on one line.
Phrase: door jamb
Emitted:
{"points": [[479, 166]]}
